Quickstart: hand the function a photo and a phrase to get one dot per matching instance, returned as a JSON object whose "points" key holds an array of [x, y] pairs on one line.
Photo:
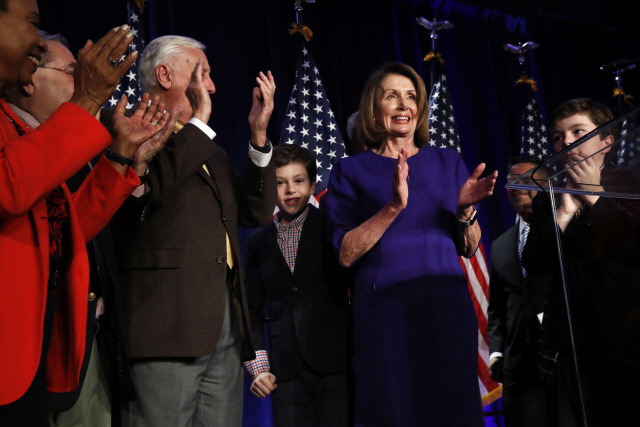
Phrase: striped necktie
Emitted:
{"points": [[523, 241]]}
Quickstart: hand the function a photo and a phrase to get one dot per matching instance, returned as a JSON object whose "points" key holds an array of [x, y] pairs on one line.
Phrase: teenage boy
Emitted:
{"points": [[293, 279], [600, 240]]}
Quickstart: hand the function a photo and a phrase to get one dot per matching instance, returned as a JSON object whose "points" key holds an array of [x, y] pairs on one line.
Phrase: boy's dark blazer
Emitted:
{"points": [[307, 310]]}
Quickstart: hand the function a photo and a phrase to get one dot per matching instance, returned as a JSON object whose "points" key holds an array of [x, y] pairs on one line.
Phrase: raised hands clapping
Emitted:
{"points": [[96, 75], [143, 134], [400, 187]]}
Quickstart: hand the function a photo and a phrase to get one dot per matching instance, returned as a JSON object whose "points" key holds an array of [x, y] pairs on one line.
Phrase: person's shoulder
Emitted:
{"points": [[257, 236], [350, 161], [503, 239], [315, 216], [444, 153]]}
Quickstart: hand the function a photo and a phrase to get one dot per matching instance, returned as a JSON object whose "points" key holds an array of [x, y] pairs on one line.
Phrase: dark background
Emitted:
{"points": [[353, 37]]}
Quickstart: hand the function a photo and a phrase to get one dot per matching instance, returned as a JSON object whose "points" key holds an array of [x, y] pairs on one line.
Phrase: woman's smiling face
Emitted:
{"points": [[396, 107], [21, 46]]}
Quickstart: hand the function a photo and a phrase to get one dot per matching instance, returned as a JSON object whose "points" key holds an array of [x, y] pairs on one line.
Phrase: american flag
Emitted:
{"points": [[310, 122], [443, 133], [629, 147], [130, 82], [534, 133]]}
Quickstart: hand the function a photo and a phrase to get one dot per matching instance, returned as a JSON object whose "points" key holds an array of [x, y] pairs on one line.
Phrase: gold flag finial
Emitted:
{"points": [[524, 79], [431, 55], [302, 29], [141, 5], [625, 96]]}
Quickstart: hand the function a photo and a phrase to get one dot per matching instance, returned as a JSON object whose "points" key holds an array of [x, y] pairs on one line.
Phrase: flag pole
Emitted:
{"points": [[297, 6]]}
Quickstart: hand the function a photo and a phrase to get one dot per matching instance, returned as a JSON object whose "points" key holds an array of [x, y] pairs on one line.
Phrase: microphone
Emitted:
{"points": [[620, 65]]}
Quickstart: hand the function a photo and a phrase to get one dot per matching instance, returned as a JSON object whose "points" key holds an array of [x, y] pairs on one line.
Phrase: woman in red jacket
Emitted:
{"points": [[44, 272]]}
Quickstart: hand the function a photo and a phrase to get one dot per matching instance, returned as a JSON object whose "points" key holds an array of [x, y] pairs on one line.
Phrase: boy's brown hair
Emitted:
{"points": [[598, 113], [287, 154]]}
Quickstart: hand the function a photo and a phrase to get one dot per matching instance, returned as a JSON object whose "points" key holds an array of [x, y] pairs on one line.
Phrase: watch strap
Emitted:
{"points": [[471, 220], [112, 155]]}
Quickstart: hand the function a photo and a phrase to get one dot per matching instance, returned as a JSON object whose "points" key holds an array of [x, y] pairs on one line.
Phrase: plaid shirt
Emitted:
{"points": [[289, 237]]}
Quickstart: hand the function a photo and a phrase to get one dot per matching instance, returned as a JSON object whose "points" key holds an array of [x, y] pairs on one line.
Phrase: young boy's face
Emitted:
{"points": [[294, 190], [566, 131]]}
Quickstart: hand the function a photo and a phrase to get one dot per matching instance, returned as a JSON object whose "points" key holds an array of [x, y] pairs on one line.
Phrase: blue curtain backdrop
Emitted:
{"points": [[352, 38]]}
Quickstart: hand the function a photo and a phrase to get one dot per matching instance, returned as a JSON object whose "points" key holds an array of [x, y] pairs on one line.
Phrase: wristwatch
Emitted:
{"points": [[471, 220], [112, 155]]}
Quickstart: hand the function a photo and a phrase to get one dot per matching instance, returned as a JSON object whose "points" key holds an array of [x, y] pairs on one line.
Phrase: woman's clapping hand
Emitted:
{"points": [[400, 186], [475, 190]]}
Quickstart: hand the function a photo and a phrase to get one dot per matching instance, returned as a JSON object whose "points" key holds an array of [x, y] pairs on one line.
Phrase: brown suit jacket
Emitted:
{"points": [[175, 267]]}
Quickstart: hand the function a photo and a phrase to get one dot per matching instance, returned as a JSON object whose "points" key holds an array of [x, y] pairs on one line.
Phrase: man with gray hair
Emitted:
{"points": [[186, 305]]}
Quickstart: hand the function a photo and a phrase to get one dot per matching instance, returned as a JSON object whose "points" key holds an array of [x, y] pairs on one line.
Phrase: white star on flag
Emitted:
{"points": [[316, 128], [129, 83], [533, 140]]}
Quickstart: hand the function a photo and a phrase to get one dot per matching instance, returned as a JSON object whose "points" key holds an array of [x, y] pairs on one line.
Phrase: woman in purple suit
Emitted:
{"points": [[401, 213]]}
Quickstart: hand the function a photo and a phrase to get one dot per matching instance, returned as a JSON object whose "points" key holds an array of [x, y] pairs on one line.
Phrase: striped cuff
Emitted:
{"points": [[258, 365]]}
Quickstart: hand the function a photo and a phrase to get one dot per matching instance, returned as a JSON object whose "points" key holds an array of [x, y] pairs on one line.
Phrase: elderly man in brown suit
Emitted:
{"points": [[186, 306]]}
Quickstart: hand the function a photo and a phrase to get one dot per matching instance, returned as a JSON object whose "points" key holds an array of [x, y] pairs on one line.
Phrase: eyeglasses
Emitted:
{"points": [[70, 72]]}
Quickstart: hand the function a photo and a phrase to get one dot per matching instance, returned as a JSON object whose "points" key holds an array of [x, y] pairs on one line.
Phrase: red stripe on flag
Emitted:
{"points": [[483, 324], [320, 194], [476, 278], [483, 373], [479, 273]]}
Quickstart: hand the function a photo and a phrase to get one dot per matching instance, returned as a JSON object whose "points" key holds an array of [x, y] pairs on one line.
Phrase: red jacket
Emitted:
{"points": [[30, 167]]}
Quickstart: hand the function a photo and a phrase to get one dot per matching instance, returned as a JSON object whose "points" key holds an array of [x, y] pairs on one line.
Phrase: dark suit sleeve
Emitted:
{"points": [[540, 254], [497, 309], [182, 156], [256, 294], [615, 225], [256, 194]]}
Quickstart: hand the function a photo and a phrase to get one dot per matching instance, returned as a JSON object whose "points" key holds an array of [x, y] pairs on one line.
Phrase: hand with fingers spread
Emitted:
{"points": [[132, 132], [400, 187], [262, 108], [475, 190], [150, 148], [96, 75], [264, 384], [198, 95]]}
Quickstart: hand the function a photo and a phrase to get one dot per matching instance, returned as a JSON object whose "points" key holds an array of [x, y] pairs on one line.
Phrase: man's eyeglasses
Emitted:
{"points": [[66, 71]]}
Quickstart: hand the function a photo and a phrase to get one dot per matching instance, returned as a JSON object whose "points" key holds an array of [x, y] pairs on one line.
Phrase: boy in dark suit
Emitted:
{"points": [[600, 239], [294, 280]]}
